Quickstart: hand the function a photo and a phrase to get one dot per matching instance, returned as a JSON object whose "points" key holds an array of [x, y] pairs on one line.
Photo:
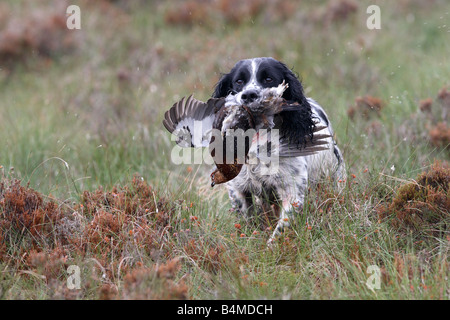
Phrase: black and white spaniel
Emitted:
{"points": [[288, 185], [263, 94]]}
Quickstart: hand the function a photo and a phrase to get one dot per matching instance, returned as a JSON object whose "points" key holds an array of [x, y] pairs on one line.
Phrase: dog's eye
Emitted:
{"points": [[240, 82], [268, 80]]}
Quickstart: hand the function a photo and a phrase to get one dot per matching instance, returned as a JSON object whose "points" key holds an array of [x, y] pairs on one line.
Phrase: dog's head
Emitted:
{"points": [[248, 77]]}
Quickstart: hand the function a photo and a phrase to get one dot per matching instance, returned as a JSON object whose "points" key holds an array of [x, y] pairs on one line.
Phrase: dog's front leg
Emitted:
{"points": [[292, 196], [241, 202]]}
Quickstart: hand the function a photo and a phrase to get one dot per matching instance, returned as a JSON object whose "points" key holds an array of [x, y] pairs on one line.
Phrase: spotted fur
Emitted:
{"points": [[254, 191]]}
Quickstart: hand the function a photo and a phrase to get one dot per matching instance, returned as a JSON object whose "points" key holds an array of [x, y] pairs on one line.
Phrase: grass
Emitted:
{"points": [[81, 130]]}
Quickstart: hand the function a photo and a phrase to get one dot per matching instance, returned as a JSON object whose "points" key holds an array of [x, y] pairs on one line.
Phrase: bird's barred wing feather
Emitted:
{"points": [[190, 120], [318, 143], [282, 148]]}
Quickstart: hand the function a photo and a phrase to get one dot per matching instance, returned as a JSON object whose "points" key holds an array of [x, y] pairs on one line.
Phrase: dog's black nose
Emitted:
{"points": [[249, 96]]}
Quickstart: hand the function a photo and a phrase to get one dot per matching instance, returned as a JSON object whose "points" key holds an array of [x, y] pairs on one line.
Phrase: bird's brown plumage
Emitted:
{"points": [[242, 119]]}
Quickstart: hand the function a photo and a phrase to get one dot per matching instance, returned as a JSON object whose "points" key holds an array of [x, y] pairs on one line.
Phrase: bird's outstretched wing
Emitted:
{"points": [[190, 120]]}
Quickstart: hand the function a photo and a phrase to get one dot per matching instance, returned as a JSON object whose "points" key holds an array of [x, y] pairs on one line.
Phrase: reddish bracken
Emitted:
{"points": [[444, 97], [23, 210], [129, 219], [207, 255], [425, 105], [365, 107], [137, 282], [42, 34], [440, 136], [339, 10], [49, 264], [114, 228], [213, 256], [233, 12], [422, 206]]}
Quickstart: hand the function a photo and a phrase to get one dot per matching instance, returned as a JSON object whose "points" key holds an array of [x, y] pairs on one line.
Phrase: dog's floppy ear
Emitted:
{"points": [[298, 125], [295, 89], [223, 87]]}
